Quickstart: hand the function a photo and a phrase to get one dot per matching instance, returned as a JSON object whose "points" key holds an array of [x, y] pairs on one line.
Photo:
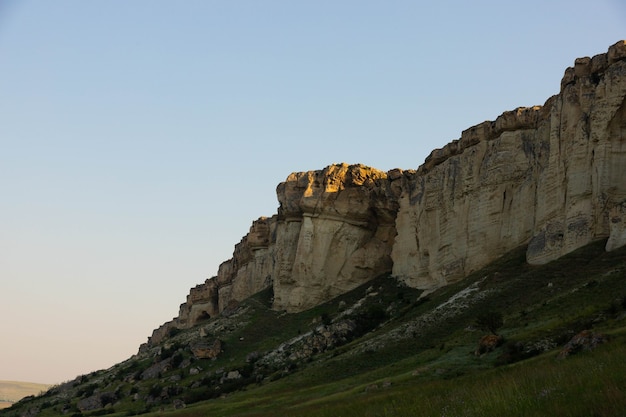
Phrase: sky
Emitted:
{"points": [[139, 139]]}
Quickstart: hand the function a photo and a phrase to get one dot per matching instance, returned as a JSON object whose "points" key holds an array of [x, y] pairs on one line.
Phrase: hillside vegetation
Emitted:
{"points": [[389, 350]]}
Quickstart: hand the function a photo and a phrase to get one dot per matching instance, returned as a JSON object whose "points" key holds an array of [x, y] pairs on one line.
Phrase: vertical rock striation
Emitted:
{"points": [[551, 177], [464, 211]]}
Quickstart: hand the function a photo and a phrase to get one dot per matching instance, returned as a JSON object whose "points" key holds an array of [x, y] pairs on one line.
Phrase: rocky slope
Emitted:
{"points": [[377, 337], [550, 177]]}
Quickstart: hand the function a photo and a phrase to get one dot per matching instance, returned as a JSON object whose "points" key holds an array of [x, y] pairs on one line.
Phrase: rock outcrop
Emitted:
{"points": [[550, 177], [335, 231], [583, 341], [207, 350]]}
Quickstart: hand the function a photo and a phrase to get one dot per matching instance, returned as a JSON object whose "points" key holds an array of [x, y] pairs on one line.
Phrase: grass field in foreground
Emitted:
{"points": [[588, 384]]}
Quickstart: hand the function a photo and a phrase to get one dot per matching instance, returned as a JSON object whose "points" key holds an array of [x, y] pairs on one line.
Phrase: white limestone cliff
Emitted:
{"points": [[335, 232], [551, 177]]}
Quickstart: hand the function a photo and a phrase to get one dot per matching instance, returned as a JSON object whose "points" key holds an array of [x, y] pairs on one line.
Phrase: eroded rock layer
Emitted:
{"points": [[551, 177]]}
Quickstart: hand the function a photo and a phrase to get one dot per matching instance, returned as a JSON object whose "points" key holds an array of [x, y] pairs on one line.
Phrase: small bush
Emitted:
{"points": [[167, 352], [176, 360], [613, 309], [369, 319], [200, 394], [102, 412], [87, 391], [491, 321], [512, 352], [173, 332], [155, 391]]}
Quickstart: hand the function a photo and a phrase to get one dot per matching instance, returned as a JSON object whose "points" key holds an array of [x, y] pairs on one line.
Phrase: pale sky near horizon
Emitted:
{"points": [[140, 139]]}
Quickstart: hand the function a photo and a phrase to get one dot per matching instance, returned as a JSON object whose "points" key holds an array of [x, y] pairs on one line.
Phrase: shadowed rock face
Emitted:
{"points": [[551, 177]]}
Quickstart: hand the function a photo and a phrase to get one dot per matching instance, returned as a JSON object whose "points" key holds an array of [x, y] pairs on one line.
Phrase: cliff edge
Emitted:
{"points": [[551, 177]]}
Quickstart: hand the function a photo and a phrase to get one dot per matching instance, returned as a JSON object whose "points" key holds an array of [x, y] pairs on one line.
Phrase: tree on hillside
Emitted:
{"points": [[490, 320]]}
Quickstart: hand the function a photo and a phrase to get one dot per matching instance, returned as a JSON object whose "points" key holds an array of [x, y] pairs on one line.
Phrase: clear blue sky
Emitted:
{"points": [[139, 139]]}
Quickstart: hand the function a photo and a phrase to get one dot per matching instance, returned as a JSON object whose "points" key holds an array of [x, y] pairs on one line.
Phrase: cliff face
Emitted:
{"points": [[247, 272], [551, 177], [335, 232]]}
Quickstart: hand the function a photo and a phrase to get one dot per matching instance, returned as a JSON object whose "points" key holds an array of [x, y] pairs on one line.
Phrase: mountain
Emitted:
{"points": [[468, 286]]}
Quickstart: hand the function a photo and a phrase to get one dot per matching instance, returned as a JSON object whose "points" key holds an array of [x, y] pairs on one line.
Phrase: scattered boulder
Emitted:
{"points": [[96, 401], [375, 387], [32, 412], [372, 387], [157, 369], [583, 341], [253, 357], [207, 350], [323, 338], [233, 375]]}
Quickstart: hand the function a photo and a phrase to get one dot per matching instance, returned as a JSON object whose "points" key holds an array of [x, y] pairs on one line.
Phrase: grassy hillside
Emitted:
{"points": [[387, 350], [13, 391]]}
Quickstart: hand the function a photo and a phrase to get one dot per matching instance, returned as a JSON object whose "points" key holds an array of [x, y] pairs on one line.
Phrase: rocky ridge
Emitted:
{"points": [[549, 177]]}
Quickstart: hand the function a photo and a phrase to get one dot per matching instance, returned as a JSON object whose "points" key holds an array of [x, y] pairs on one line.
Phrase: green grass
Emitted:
{"points": [[590, 384]]}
